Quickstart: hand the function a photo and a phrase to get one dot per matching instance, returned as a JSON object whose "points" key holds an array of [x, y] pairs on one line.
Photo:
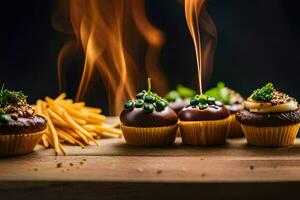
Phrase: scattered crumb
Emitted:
{"points": [[203, 174], [251, 167], [77, 167], [68, 169], [274, 166], [35, 169], [201, 159], [81, 163], [159, 171], [59, 165], [84, 159], [71, 164], [140, 169]]}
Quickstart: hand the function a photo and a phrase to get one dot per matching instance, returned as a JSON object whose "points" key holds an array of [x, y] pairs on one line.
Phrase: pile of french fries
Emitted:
{"points": [[74, 123]]}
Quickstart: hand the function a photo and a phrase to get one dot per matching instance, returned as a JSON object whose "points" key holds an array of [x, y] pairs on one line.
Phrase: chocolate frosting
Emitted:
{"points": [[268, 119], [23, 125], [137, 117], [179, 104], [212, 112]]}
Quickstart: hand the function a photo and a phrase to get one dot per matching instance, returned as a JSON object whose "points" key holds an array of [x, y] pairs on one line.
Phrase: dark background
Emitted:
{"points": [[258, 42]]}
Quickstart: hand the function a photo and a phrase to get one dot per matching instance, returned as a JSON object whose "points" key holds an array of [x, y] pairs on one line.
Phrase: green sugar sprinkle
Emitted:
{"points": [[9, 97], [264, 93]]}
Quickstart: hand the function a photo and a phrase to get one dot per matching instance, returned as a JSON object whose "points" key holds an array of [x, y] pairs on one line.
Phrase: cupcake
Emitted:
{"points": [[179, 98], [20, 129], [204, 121], [148, 121], [271, 118], [233, 101]]}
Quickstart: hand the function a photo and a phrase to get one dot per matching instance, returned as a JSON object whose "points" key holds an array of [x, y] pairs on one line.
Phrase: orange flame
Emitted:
{"points": [[101, 29], [204, 43], [155, 39]]}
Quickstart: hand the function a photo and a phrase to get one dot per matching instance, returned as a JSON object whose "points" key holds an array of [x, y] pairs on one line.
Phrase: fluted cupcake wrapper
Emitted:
{"points": [[149, 136], [271, 136], [178, 133], [211, 132], [18, 144], [235, 128]]}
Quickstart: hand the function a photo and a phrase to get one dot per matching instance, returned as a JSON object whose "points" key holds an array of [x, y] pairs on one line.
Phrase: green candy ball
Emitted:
{"points": [[148, 107], [149, 98], [139, 103], [202, 106], [128, 105], [194, 102], [160, 105], [211, 100], [202, 98], [5, 118], [140, 95]]}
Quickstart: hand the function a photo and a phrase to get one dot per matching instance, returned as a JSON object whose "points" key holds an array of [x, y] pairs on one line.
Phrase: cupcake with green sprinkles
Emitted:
{"points": [[271, 118], [204, 121], [20, 128], [148, 120], [233, 102], [180, 97]]}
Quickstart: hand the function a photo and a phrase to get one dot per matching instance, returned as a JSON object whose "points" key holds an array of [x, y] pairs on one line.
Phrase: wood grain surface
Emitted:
{"points": [[228, 171]]}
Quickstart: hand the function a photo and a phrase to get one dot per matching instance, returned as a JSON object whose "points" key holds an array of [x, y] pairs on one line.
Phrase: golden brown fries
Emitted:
{"points": [[72, 123]]}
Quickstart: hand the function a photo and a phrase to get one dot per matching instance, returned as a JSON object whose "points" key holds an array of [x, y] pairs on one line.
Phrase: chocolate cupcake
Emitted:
{"points": [[204, 122], [233, 101], [180, 97], [271, 118], [20, 129], [148, 121]]}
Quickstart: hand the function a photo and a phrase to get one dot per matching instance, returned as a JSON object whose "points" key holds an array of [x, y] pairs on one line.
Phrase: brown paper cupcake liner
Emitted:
{"points": [[149, 136], [18, 144], [178, 133], [211, 132], [271, 136], [235, 128]]}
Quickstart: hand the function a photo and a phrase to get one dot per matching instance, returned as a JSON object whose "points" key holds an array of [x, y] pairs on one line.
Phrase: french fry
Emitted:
{"points": [[38, 107], [94, 134], [61, 97], [110, 130], [93, 110], [96, 117], [79, 121], [45, 141], [74, 125], [90, 127], [54, 134], [82, 136], [72, 122], [52, 104], [49, 140], [62, 149], [56, 117], [108, 135], [74, 135], [65, 136]]}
